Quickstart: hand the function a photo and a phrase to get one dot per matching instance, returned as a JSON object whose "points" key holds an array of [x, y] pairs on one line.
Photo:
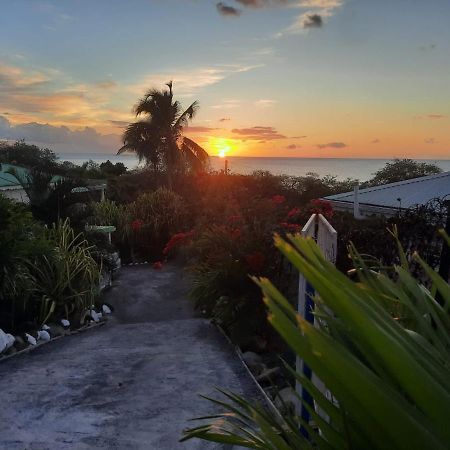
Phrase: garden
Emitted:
{"points": [[220, 227]]}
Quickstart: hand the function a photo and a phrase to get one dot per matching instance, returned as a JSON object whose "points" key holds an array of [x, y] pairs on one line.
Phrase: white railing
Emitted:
{"points": [[325, 235]]}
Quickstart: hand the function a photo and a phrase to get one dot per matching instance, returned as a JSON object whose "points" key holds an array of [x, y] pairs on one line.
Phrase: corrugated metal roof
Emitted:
{"points": [[7, 179], [416, 191]]}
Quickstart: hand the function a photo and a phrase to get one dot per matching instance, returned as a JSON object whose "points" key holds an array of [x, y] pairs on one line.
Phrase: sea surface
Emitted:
{"points": [[342, 168]]}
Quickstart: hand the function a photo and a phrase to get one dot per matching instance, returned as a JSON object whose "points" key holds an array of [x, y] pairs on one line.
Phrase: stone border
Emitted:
{"points": [[238, 352], [41, 343]]}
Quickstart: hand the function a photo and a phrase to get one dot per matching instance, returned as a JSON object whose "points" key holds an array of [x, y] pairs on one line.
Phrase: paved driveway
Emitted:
{"points": [[131, 384]]}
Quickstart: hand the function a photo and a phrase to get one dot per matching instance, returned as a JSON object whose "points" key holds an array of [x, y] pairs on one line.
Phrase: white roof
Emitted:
{"points": [[417, 191]]}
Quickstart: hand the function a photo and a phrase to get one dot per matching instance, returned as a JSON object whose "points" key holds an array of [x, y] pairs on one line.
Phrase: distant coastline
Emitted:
{"points": [[340, 167]]}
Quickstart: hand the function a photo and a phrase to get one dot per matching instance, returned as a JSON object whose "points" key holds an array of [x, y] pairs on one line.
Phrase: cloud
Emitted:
{"points": [[312, 20], [200, 129], [186, 81], [228, 11], [59, 138], [224, 119], [376, 141], [119, 123], [293, 146], [318, 10], [264, 103], [47, 95], [261, 3], [436, 116], [230, 103], [430, 141], [332, 145], [258, 133]]}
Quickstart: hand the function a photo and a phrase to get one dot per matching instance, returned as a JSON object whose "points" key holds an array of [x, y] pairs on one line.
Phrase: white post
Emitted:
{"points": [[356, 210]]}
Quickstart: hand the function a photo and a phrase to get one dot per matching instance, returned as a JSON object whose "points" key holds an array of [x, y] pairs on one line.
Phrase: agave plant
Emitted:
{"points": [[389, 376]]}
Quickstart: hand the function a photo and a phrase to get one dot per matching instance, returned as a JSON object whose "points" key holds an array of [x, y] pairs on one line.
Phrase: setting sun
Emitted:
{"points": [[222, 146]]}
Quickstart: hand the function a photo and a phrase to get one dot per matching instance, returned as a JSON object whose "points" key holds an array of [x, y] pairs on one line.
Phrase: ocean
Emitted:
{"points": [[342, 168]]}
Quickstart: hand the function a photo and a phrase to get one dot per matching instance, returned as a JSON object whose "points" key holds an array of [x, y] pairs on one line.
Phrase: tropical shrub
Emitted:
{"points": [[66, 282], [389, 377], [45, 274]]}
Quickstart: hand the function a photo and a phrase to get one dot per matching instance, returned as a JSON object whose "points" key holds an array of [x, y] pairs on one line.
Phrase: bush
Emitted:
{"points": [[389, 383]]}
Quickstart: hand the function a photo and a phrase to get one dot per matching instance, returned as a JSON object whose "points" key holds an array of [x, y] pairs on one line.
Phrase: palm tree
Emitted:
{"points": [[158, 138]]}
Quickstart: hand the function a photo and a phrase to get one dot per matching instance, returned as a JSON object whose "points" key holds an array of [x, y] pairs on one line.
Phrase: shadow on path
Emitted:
{"points": [[132, 384]]}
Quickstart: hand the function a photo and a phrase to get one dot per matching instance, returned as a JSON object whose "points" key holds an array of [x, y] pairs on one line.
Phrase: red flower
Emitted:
{"points": [[293, 227], [234, 219], [157, 265], [255, 261], [137, 224], [278, 199], [294, 212], [177, 239], [236, 233], [322, 207]]}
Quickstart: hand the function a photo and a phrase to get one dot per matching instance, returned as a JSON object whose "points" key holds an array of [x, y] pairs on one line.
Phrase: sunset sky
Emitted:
{"points": [[306, 78]]}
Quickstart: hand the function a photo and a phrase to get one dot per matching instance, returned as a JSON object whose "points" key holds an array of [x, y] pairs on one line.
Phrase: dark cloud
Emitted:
{"points": [[332, 145], [312, 21], [59, 138], [224, 119], [258, 133], [226, 10], [293, 146], [260, 3], [376, 141], [119, 123], [436, 116]]}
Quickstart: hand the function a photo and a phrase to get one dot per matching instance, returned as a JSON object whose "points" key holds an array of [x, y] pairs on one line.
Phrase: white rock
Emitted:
{"points": [[30, 339], [6, 341], [106, 309], [11, 340], [65, 323], [43, 335], [45, 327]]}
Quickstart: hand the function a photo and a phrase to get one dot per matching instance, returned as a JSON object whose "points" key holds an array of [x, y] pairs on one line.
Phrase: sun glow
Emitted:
{"points": [[222, 146]]}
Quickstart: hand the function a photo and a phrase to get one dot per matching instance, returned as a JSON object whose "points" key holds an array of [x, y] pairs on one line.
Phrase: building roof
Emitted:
{"points": [[9, 181], [402, 194]]}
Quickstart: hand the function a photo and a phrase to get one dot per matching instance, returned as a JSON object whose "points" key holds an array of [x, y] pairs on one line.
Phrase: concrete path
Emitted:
{"points": [[131, 384]]}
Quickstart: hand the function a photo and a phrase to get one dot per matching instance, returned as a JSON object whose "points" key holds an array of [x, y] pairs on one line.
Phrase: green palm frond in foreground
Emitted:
{"points": [[390, 376]]}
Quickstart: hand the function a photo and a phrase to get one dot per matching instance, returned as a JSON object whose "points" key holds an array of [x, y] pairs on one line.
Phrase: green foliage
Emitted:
{"points": [[402, 169], [44, 273], [390, 383], [27, 155], [65, 282]]}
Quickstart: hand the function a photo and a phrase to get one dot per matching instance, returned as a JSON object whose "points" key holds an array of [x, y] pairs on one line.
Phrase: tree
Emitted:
{"points": [[28, 155], [403, 169], [158, 138]]}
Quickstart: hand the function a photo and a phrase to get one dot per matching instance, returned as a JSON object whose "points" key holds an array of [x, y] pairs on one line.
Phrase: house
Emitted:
{"points": [[390, 198], [10, 186]]}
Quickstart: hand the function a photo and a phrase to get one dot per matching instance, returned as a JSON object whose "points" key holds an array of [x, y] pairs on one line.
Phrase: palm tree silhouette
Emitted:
{"points": [[158, 138]]}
